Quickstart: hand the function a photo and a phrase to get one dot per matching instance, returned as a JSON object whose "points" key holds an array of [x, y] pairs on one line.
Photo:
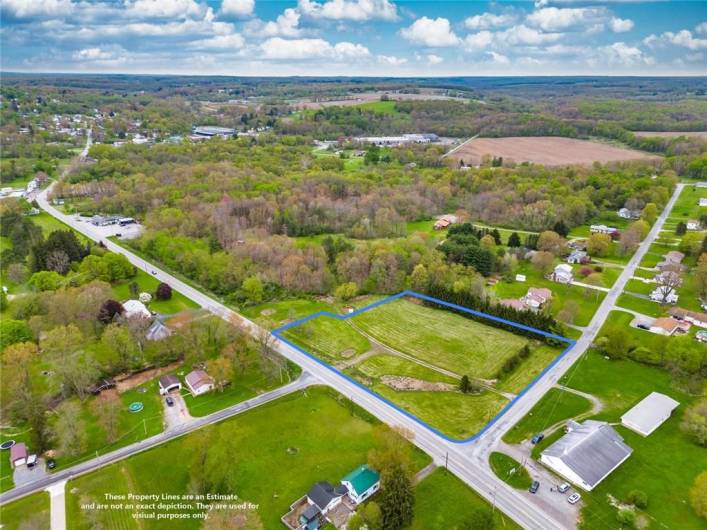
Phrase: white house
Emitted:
{"points": [[325, 496], [361, 483], [602, 229], [169, 382], [562, 273], [625, 213], [668, 326], [703, 201], [577, 257], [693, 317], [693, 225], [135, 308], [587, 454], [649, 414], [199, 382], [536, 297]]}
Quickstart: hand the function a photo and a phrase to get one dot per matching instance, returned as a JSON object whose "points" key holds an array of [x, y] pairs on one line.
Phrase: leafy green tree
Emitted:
{"points": [[649, 213], [69, 429], [346, 291], [13, 331], [638, 498], [253, 289], [681, 229], [46, 281], [698, 495], [397, 498], [694, 421]]}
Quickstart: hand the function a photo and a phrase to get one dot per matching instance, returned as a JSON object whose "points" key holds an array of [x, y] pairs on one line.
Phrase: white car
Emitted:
{"points": [[562, 488], [574, 498]]}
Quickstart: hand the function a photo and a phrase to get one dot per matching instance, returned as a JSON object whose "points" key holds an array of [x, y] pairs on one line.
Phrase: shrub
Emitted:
{"points": [[108, 310], [627, 517], [638, 498], [163, 292]]}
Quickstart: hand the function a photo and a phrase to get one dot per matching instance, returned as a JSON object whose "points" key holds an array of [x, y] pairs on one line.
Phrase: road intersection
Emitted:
{"points": [[468, 461]]}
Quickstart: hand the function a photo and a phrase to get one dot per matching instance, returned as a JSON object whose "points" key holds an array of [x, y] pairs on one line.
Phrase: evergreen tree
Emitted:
{"points": [[561, 228], [514, 240], [397, 501], [465, 384]]}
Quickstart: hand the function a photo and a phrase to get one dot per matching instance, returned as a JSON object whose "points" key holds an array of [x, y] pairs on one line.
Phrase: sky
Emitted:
{"points": [[355, 37]]}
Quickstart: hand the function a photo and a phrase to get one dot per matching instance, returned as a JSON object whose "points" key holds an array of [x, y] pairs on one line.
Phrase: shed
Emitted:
{"points": [[18, 455], [649, 414]]}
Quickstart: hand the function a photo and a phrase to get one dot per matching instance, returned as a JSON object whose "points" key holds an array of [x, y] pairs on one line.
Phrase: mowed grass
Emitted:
{"points": [[31, 512], [510, 470], [329, 338], [663, 465], [149, 284], [555, 406], [382, 364], [443, 502], [440, 337], [257, 443]]}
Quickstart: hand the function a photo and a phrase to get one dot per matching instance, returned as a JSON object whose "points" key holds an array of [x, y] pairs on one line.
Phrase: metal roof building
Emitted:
{"points": [[649, 414], [587, 454]]}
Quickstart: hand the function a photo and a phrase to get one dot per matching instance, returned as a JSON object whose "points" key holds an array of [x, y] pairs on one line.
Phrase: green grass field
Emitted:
{"points": [[640, 305], [555, 406], [443, 346], [443, 502], [510, 471], [31, 512], [382, 107], [663, 465], [256, 443], [147, 283]]}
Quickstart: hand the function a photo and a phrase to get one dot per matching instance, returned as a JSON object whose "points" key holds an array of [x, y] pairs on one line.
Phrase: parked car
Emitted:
{"points": [[643, 326], [169, 401], [562, 488], [51, 463], [574, 498], [537, 438], [534, 487]]}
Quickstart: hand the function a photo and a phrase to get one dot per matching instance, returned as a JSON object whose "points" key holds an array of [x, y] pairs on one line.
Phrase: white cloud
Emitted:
{"points": [[431, 32], [489, 21], [701, 28], [523, 35], [286, 25], [684, 38], [623, 54], [101, 55], [302, 49], [480, 40], [233, 41], [34, 8], [651, 41], [563, 19], [499, 58], [391, 60], [434, 59], [620, 25], [164, 8], [240, 8], [358, 10]]}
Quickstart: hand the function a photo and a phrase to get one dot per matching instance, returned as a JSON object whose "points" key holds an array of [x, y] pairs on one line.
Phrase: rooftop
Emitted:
{"points": [[649, 413], [362, 479]]}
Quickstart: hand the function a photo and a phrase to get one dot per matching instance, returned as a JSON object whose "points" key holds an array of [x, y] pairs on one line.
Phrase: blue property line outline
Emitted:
{"points": [[570, 343]]}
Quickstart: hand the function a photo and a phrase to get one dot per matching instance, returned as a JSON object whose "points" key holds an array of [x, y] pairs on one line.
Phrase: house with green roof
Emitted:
{"points": [[361, 483]]}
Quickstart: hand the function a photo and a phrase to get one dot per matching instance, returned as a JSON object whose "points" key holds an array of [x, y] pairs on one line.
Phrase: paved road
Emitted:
{"points": [[57, 505], [46, 482]]}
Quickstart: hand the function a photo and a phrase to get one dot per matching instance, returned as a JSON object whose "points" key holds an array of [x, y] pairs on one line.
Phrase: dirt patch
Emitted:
{"points": [[348, 353], [409, 384], [267, 312], [546, 150], [126, 382]]}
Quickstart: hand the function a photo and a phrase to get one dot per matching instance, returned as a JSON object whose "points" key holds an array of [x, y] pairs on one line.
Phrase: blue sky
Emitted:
{"points": [[355, 37]]}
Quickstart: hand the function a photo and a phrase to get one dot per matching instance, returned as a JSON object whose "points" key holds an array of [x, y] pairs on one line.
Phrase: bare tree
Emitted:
{"points": [[668, 281]]}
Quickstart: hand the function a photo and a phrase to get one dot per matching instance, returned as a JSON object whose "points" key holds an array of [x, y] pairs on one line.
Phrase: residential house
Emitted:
{"points": [[361, 483], [693, 317], [577, 257], [562, 273], [445, 221], [169, 382], [671, 259], [536, 297], [587, 454], [701, 336], [703, 201], [693, 225], [18, 455], [603, 229], [199, 382], [325, 496], [668, 326], [625, 213], [135, 308], [158, 330], [649, 414], [664, 295]]}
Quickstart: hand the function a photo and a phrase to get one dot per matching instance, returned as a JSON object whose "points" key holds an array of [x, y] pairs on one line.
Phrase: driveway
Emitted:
{"points": [[177, 414], [24, 475]]}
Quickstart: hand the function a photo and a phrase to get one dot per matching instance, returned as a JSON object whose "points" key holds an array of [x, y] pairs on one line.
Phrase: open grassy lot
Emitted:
{"points": [[663, 465], [382, 364], [687, 206], [279, 451], [443, 502], [149, 284], [440, 337], [640, 305], [383, 107], [607, 217], [555, 406], [510, 471], [329, 338], [31, 512]]}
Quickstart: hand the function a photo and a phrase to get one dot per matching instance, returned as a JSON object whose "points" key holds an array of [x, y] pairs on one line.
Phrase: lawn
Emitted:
{"points": [[279, 450], [510, 471], [663, 465], [31, 512], [329, 338], [381, 107], [555, 406], [687, 206], [607, 217], [148, 284], [49, 224], [443, 502], [640, 305]]}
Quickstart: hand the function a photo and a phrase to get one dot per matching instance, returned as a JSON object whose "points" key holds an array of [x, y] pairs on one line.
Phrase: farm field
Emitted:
{"points": [[286, 441], [548, 150], [671, 134], [371, 97], [414, 355]]}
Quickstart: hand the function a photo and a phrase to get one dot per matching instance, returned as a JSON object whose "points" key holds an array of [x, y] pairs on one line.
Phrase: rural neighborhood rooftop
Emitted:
{"points": [[650, 413]]}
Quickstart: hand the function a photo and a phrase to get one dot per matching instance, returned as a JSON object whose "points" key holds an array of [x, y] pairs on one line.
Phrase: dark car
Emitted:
{"points": [[537, 438], [51, 463], [534, 487], [169, 401], [643, 326]]}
